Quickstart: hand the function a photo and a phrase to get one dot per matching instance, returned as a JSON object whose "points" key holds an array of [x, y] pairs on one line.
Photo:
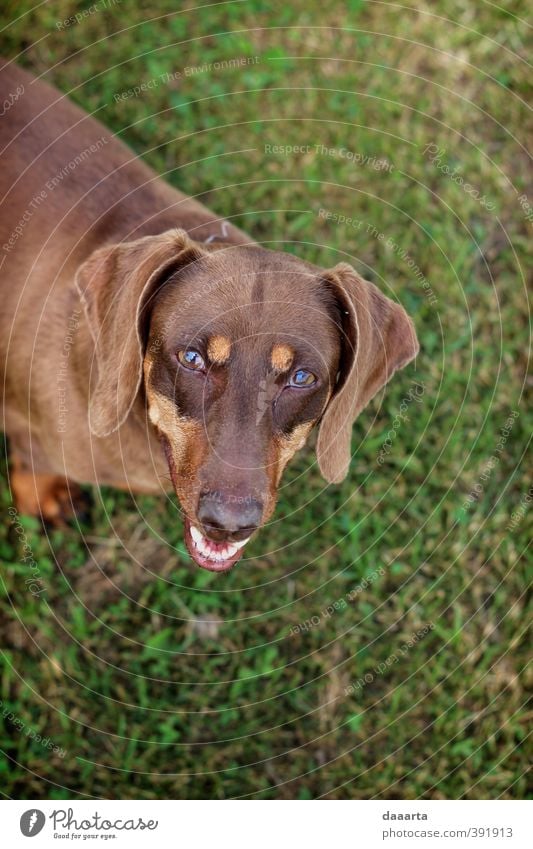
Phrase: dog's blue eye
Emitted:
{"points": [[302, 378], [191, 359]]}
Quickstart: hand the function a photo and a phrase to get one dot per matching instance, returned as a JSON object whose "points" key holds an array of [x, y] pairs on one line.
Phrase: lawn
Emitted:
{"points": [[374, 643]]}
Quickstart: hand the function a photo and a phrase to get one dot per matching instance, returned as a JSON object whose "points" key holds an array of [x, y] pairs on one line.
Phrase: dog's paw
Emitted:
{"points": [[53, 498]]}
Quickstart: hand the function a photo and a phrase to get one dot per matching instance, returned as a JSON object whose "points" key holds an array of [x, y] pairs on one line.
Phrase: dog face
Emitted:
{"points": [[239, 351], [236, 375]]}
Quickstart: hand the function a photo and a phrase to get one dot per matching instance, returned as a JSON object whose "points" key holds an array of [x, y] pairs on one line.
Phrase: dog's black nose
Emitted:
{"points": [[229, 517]]}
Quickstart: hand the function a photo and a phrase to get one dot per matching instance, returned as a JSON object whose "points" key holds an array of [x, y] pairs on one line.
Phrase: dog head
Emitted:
{"points": [[238, 352]]}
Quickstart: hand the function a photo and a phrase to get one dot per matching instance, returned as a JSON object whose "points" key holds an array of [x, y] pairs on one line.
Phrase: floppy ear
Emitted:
{"points": [[115, 284], [378, 338]]}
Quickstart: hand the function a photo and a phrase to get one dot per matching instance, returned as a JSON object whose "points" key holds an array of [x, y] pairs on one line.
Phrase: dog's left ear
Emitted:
{"points": [[116, 284], [378, 337]]}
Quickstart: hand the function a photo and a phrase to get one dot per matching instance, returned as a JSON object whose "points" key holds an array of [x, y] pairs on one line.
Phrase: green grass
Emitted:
{"points": [[160, 680]]}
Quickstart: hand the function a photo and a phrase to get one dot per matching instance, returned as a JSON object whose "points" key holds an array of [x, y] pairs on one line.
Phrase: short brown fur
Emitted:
{"points": [[113, 273]]}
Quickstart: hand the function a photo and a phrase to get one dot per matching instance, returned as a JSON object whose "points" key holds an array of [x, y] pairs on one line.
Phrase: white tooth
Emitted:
{"points": [[204, 547], [196, 535]]}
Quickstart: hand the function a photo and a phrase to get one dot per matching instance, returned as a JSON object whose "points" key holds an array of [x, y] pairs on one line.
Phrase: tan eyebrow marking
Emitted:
{"points": [[218, 349], [281, 357]]}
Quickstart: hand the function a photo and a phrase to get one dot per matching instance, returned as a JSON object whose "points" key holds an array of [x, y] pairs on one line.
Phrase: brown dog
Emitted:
{"points": [[142, 336]]}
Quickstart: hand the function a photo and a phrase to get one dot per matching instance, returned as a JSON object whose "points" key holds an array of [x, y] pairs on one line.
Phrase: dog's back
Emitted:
{"points": [[64, 177], [66, 180], [67, 186]]}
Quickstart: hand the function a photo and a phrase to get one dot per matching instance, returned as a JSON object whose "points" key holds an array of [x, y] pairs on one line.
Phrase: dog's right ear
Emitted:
{"points": [[116, 284], [379, 338]]}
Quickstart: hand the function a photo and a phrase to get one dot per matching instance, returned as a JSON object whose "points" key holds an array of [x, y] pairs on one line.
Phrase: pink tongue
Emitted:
{"points": [[216, 547]]}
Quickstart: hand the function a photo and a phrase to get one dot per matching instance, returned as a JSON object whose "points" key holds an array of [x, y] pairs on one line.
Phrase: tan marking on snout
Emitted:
{"points": [[289, 445], [219, 349], [164, 415], [281, 357]]}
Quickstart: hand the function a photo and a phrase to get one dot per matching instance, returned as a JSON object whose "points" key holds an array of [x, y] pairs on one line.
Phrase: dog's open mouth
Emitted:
{"points": [[215, 556]]}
